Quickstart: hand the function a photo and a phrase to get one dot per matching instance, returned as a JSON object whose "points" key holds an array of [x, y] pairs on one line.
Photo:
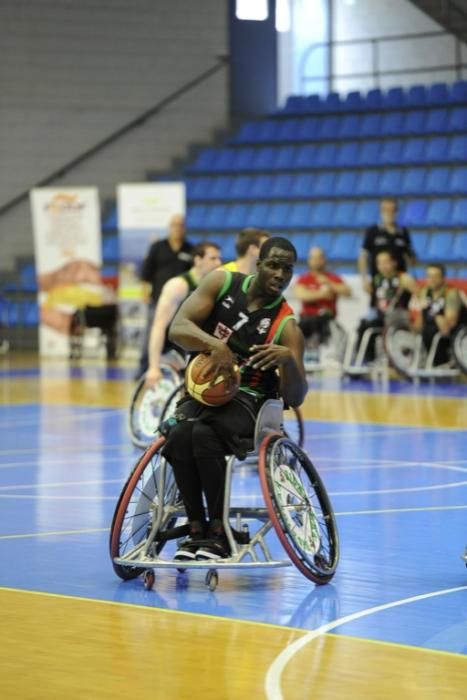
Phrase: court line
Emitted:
{"points": [[31, 497], [274, 674], [98, 460], [57, 484], [68, 448], [54, 533], [40, 420], [409, 431], [411, 489]]}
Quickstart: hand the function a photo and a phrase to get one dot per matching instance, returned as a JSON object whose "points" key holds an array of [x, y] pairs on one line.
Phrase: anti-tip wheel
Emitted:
{"points": [[149, 578], [212, 579]]}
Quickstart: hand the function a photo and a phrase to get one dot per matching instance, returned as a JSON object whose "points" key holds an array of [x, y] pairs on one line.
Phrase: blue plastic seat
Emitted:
{"points": [[371, 125], [345, 246], [369, 153], [198, 188], [437, 181], [441, 247], [331, 103], [367, 213], [321, 214], [395, 97], [28, 277], [285, 156], [308, 129], [458, 181], [281, 186], [413, 151], [263, 158], [459, 212], [323, 241], [374, 99], [369, 181], [413, 181], [313, 103], [206, 160], [353, 101], [241, 187], [416, 96], [260, 188], [295, 104], [303, 185], [110, 248], [437, 121], [457, 119], [235, 217], [347, 155], [346, 183], [227, 243], [420, 241], [437, 94], [460, 247], [392, 124], [437, 149], [257, 215], [269, 129], [391, 152], [414, 122], [278, 216], [242, 160], [216, 216], [305, 157], [458, 91], [195, 216], [458, 149], [326, 156], [299, 215], [302, 243], [324, 185], [110, 222], [226, 159], [344, 214], [328, 128], [218, 187], [390, 182], [439, 213], [248, 133], [288, 130], [413, 213], [349, 126]]}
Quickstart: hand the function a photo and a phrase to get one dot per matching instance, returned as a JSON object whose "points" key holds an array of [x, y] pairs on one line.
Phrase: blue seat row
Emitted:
{"points": [[342, 214], [416, 96], [347, 183], [437, 149], [110, 248], [19, 313], [356, 126]]}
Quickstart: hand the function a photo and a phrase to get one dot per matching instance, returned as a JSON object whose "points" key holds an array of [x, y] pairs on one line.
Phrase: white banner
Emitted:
{"points": [[67, 241], [144, 213]]}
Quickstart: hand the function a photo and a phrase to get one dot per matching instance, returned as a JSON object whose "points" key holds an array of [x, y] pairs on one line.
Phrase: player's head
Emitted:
{"points": [[249, 241], [316, 260], [275, 265], [177, 228], [206, 257], [435, 275], [388, 211], [386, 263]]}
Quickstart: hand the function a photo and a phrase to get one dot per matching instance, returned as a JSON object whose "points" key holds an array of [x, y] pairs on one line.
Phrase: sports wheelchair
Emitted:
{"points": [[296, 506], [327, 355]]}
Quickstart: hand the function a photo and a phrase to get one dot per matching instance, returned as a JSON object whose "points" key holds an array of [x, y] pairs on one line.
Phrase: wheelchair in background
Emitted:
{"points": [[296, 506]]}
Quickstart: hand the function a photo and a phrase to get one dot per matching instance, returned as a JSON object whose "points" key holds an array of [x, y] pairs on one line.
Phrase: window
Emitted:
{"points": [[252, 9]]}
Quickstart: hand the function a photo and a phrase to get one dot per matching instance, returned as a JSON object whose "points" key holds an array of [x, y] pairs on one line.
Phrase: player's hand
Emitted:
{"points": [[268, 356], [327, 292], [153, 376], [223, 362]]}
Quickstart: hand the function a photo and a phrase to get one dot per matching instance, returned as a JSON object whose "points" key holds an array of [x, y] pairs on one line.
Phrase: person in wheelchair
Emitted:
{"points": [[206, 257], [243, 319], [318, 290], [390, 291], [442, 312]]}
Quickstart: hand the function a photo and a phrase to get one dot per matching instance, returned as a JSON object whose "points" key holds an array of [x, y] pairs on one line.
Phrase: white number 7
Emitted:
{"points": [[243, 318]]}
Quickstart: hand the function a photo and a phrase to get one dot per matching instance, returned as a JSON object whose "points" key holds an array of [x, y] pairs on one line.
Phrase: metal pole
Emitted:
{"points": [[375, 61]]}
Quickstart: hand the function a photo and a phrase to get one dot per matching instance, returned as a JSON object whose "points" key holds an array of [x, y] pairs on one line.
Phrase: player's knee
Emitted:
{"points": [[179, 440], [206, 442]]}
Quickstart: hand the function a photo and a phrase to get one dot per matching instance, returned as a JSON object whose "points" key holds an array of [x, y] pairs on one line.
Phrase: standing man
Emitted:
{"points": [[387, 236], [166, 258], [247, 246]]}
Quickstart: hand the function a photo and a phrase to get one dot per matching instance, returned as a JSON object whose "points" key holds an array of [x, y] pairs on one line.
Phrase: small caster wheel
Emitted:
{"points": [[149, 579], [212, 579]]}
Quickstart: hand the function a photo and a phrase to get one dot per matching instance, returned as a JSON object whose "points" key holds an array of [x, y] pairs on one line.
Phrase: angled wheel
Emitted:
{"points": [[459, 348], [294, 426], [147, 404], [171, 402], [402, 348], [299, 508], [138, 507]]}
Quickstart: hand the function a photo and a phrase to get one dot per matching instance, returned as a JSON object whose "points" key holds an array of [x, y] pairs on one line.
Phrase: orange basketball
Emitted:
{"points": [[203, 388]]}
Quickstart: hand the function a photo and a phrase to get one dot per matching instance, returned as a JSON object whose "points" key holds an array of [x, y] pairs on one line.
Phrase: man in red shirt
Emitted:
{"points": [[318, 291]]}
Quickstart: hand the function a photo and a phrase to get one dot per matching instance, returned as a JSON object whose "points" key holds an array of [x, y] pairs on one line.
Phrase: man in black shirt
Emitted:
{"points": [[165, 259], [388, 236]]}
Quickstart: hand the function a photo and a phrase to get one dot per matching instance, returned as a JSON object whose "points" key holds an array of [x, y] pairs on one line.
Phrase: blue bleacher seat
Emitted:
{"points": [[458, 149], [413, 213], [437, 149], [420, 242], [395, 97], [263, 158], [236, 217], [226, 158], [277, 216], [227, 244], [110, 222], [302, 243], [331, 103], [216, 216], [391, 152], [295, 104], [459, 212], [195, 216], [374, 99], [257, 215], [371, 125], [347, 155], [349, 126], [308, 128], [260, 187], [281, 186], [288, 130], [457, 119], [369, 153], [30, 313], [324, 185], [229, 187], [303, 185], [416, 96], [353, 101], [441, 247], [110, 248], [346, 183], [439, 213], [413, 151], [248, 133], [300, 215], [241, 160], [460, 247], [367, 213], [369, 182], [344, 246], [285, 157], [344, 214], [321, 214], [414, 122], [437, 181], [323, 240], [458, 91], [205, 161], [437, 121], [326, 156], [328, 128], [458, 181], [413, 181], [28, 278], [305, 157], [437, 94], [392, 124], [390, 182]]}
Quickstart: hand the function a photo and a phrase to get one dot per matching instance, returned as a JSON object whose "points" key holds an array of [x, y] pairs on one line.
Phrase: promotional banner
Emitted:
{"points": [[67, 241], [144, 213]]}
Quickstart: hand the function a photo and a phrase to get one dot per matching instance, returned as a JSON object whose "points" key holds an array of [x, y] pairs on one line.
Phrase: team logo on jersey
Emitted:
{"points": [[222, 332], [228, 301], [263, 326]]}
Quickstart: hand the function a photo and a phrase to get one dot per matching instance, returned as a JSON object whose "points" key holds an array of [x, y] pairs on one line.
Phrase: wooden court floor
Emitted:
{"points": [[393, 622]]}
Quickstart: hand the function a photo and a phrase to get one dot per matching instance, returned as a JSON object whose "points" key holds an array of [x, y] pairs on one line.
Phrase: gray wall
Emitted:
{"points": [[71, 71]]}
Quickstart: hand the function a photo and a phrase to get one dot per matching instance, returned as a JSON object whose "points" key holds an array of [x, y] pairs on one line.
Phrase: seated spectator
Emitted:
{"points": [[391, 291], [441, 311], [387, 235], [318, 290], [247, 246]]}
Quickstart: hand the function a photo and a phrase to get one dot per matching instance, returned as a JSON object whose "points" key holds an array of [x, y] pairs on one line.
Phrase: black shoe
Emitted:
{"points": [[216, 546], [187, 549]]}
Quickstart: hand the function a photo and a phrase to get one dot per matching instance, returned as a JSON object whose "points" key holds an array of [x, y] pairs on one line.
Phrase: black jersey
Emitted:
{"points": [[398, 243], [388, 294], [231, 322], [436, 306]]}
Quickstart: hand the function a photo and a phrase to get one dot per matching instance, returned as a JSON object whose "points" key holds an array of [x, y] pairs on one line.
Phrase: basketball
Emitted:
{"points": [[200, 385]]}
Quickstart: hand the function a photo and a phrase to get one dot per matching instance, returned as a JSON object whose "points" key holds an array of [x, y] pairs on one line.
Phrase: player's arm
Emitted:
{"points": [[362, 265], [450, 318], [186, 330], [409, 283], [173, 293], [340, 289], [302, 293], [288, 357]]}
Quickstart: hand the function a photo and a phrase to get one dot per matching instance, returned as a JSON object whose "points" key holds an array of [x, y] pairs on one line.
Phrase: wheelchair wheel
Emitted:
{"points": [[170, 404], [299, 508], [147, 405], [294, 426], [401, 348], [138, 506], [459, 348]]}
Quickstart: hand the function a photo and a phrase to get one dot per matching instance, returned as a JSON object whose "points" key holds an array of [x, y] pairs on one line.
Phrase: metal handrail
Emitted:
{"points": [[221, 63], [458, 65]]}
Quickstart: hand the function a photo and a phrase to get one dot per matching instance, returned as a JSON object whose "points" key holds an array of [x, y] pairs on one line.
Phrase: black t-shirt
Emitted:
{"points": [[398, 243], [162, 263]]}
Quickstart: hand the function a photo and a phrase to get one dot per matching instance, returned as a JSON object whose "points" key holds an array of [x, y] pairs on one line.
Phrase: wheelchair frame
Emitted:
{"points": [[414, 371]]}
